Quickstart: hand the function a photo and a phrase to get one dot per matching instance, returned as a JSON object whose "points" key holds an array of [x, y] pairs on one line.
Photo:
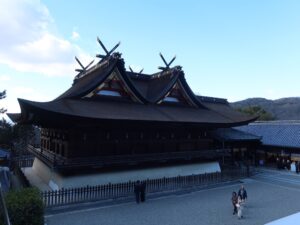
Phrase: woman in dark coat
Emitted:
{"points": [[234, 200]]}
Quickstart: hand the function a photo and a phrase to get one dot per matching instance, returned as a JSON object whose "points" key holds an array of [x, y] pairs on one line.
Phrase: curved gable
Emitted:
{"points": [[189, 93], [160, 85], [91, 80], [115, 85], [98, 76]]}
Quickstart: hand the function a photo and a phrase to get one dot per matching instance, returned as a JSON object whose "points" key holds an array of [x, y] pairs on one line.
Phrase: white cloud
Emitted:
{"points": [[21, 91], [75, 35], [4, 77], [279, 93], [29, 43], [11, 106]]}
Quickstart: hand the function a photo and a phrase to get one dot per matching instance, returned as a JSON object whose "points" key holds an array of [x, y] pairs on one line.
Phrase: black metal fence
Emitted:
{"points": [[120, 190]]}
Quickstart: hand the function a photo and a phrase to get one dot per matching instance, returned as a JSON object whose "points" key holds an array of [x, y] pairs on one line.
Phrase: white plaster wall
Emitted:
{"points": [[55, 180]]}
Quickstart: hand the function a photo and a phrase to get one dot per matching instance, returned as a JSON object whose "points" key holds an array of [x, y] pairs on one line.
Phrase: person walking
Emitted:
{"points": [[137, 191], [278, 162], [239, 206], [242, 193], [143, 191], [234, 200]]}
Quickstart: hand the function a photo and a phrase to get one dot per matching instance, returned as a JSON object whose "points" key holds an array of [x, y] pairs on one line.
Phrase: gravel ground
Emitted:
{"points": [[267, 201]]}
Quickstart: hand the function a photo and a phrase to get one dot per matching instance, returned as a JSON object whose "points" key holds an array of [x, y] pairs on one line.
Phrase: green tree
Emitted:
{"points": [[25, 207], [257, 111], [20, 135], [23, 134], [2, 96], [6, 132]]}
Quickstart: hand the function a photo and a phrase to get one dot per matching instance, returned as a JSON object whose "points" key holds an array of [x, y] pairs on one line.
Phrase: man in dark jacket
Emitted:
{"points": [[242, 193], [137, 191], [143, 191]]}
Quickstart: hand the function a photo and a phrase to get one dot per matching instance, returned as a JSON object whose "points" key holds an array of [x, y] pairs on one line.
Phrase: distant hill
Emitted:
{"points": [[281, 109]]}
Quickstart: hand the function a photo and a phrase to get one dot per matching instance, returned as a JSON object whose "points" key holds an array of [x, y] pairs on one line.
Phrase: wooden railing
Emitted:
{"points": [[23, 161], [138, 158], [48, 157], [59, 162], [114, 191]]}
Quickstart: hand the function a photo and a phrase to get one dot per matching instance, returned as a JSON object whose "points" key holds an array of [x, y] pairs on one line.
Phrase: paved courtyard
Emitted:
{"points": [[272, 195]]}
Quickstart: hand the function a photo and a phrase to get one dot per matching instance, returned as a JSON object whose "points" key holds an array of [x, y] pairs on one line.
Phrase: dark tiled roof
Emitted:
{"points": [[14, 116], [154, 87], [227, 111], [159, 86], [278, 133], [212, 100], [112, 110], [90, 81], [231, 134], [146, 90]]}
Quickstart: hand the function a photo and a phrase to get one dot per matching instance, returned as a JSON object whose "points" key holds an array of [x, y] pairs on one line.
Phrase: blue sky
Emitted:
{"points": [[229, 49]]}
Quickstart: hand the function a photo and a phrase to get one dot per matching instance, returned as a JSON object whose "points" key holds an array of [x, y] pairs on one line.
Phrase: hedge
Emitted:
{"points": [[25, 207], [1, 218]]}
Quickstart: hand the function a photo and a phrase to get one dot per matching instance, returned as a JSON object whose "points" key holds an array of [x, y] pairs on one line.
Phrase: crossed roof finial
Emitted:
{"points": [[165, 62], [108, 53], [131, 70], [83, 68], [3, 94]]}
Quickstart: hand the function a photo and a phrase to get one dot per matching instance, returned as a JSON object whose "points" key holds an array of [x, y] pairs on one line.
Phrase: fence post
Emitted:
{"points": [[48, 198], [127, 187], [102, 191], [110, 190], [59, 197], [71, 195]]}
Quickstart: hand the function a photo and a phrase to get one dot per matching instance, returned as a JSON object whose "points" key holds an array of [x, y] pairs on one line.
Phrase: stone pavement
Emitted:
{"points": [[269, 199]]}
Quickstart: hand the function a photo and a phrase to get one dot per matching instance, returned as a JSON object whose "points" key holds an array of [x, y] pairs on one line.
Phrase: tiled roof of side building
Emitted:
{"points": [[4, 153], [232, 135], [276, 133]]}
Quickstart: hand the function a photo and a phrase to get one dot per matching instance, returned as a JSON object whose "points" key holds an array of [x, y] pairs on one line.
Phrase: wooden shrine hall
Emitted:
{"points": [[114, 117]]}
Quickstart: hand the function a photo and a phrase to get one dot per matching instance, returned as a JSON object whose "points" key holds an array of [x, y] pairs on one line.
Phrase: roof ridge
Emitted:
{"points": [[213, 99]]}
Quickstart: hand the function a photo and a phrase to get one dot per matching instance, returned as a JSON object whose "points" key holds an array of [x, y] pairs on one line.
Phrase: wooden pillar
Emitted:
{"points": [[255, 157], [232, 155]]}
